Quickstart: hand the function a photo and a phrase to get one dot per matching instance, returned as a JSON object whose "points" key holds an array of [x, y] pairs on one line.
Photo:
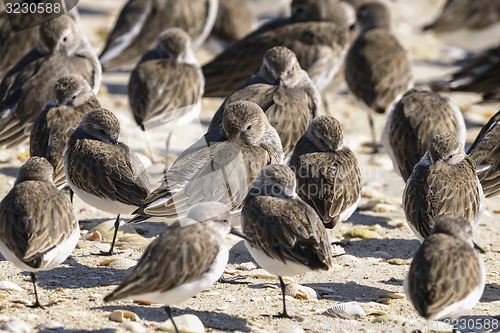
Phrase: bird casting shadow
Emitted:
{"points": [[359, 218], [395, 247]]}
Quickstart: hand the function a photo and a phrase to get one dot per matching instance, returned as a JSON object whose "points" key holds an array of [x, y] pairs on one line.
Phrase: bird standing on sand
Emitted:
{"points": [[288, 237], [377, 68], [38, 225], [102, 171]]}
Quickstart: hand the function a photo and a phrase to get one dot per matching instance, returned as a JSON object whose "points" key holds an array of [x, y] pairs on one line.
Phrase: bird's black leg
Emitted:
{"points": [[169, 313], [372, 130], [284, 314], [37, 302]]}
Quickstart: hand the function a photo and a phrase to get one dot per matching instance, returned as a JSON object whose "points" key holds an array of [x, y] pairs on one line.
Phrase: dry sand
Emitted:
{"points": [[76, 288]]}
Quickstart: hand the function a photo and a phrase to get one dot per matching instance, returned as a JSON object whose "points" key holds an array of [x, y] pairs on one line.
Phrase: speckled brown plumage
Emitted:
{"points": [[327, 172], [445, 271], [284, 91]]}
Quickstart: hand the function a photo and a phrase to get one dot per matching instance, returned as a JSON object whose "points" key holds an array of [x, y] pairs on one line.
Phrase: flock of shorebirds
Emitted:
{"points": [[268, 153]]}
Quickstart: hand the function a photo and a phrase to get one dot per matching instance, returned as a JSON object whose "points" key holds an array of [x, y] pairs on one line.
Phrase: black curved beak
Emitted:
{"points": [[238, 233], [479, 248]]}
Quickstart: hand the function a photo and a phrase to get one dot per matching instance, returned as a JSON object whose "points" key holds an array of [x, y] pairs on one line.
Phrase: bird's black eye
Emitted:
{"points": [[450, 157], [65, 39], [74, 97], [102, 132], [249, 127]]}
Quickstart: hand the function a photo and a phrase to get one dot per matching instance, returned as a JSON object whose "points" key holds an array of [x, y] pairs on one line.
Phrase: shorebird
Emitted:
{"points": [[161, 275], [469, 24], [73, 98], [446, 277], [316, 32], [443, 182], [284, 91], [141, 21], [234, 20], [377, 68], [167, 84], [38, 225], [485, 151], [104, 172], [28, 86], [480, 74], [14, 45], [288, 237], [412, 123], [221, 172], [327, 172]]}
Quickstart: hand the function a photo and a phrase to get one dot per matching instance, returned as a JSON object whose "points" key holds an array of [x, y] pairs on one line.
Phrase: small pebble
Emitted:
{"points": [[247, 266], [381, 254], [398, 261], [49, 325], [9, 286]]}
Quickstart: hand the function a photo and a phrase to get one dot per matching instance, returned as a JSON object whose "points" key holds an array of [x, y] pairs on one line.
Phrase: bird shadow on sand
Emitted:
{"points": [[10, 171], [369, 220], [394, 247], [117, 89], [79, 276], [491, 294], [211, 319]]}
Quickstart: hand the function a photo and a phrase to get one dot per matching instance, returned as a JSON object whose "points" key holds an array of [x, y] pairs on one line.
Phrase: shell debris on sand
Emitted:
{"points": [[133, 327], [300, 292], [346, 311], [10, 286], [382, 293], [16, 326], [186, 323], [121, 315]]}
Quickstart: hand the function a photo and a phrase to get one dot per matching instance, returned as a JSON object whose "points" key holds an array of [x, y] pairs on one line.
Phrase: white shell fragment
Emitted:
{"points": [[16, 326], [346, 311], [9, 286], [122, 315], [133, 327], [389, 294], [247, 266], [187, 323], [300, 292]]}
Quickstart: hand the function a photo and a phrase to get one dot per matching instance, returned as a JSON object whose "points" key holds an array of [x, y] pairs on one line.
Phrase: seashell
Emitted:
{"points": [[300, 292], [16, 326], [346, 311], [398, 261], [375, 312], [230, 271], [270, 286], [121, 315], [122, 263], [133, 327], [247, 266], [23, 301], [106, 229], [386, 318], [360, 233], [337, 249], [9, 286], [49, 325], [384, 300], [389, 294], [94, 237], [187, 323], [222, 307]]}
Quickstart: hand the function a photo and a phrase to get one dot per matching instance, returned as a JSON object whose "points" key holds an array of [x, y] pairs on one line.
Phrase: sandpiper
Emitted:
{"points": [[443, 182], [221, 172], [316, 32], [161, 275], [377, 67], [412, 123], [102, 171], [327, 172], [141, 21], [38, 225], [288, 237], [446, 277], [167, 84], [73, 98], [284, 91], [28, 86], [485, 151]]}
